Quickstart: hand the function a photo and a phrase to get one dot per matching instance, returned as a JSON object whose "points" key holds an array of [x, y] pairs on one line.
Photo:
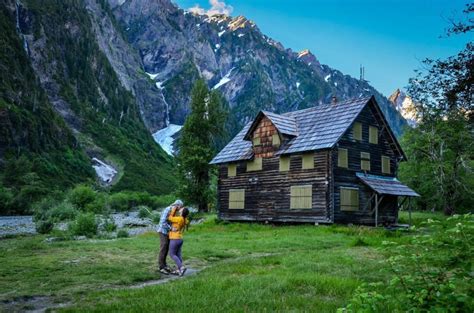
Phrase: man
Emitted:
{"points": [[163, 229]]}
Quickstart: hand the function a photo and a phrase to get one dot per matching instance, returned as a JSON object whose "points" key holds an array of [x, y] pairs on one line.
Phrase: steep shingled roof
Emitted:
{"points": [[316, 128]]}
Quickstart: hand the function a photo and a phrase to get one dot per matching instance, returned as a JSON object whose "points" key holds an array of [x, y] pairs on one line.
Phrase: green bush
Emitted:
{"points": [[82, 196], [62, 211], [143, 211], [156, 218], [109, 225], [99, 205], [41, 210], [122, 233], [44, 227], [6, 197], [119, 202], [84, 225], [431, 272]]}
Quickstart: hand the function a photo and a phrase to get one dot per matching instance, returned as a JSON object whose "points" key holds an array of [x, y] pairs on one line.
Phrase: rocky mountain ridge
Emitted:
{"points": [[252, 71]]}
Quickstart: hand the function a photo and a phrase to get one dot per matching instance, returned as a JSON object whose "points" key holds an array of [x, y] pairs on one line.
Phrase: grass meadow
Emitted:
{"points": [[244, 267]]}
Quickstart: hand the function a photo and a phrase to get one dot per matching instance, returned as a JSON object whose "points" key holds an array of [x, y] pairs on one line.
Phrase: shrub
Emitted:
{"points": [[44, 227], [84, 225], [431, 273], [42, 209], [156, 218], [159, 202], [99, 205], [122, 233], [109, 225], [63, 211], [119, 202], [82, 196], [6, 197], [143, 212]]}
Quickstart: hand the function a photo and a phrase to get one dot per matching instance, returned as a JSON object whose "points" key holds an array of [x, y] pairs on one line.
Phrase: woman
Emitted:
{"points": [[178, 223]]}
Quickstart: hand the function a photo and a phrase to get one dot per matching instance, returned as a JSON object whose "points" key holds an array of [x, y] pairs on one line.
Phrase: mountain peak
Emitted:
{"points": [[308, 57], [404, 104], [240, 22]]}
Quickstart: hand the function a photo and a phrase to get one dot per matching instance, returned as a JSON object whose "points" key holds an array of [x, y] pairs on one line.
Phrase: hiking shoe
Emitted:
{"points": [[175, 272], [182, 270], [164, 270]]}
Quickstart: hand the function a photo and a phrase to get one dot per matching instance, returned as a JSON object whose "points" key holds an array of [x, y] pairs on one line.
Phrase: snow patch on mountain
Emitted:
{"points": [[224, 80], [326, 78], [165, 137], [104, 171]]}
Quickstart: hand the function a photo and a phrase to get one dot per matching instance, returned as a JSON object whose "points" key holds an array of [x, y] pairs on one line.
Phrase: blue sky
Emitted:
{"points": [[389, 37]]}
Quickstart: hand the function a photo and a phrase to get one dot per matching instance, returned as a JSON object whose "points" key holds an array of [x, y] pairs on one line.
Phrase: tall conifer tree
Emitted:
{"points": [[197, 145]]}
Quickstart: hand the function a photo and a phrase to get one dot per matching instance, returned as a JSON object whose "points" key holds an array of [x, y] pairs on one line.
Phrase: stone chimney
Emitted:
{"points": [[334, 100]]}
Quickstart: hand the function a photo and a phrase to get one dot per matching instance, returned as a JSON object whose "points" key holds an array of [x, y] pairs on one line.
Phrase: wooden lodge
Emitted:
{"points": [[334, 163]]}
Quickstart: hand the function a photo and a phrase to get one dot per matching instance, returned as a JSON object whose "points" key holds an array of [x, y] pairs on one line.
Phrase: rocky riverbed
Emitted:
{"points": [[24, 225]]}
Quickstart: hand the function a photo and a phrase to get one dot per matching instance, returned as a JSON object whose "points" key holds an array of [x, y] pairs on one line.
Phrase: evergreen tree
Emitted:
{"points": [[200, 134], [441, 148]]}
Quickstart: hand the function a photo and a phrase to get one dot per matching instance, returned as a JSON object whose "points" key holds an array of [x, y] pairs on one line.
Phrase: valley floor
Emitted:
{"points": [[242, 267]]}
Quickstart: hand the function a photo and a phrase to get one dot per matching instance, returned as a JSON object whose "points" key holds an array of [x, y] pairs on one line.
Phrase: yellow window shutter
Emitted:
{"points": [[342, 158], [236, 198], [385, 164], [254, 165], [365, 161], [284, 163], [349, 199], [276, 140], [301, 197], [373, 135], [231, 170], [308, 161], [256, 141], [357, 131]]}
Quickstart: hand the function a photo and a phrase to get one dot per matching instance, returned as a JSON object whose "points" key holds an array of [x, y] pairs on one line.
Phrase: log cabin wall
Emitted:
{"points": [[346, 177], [267, 192]]}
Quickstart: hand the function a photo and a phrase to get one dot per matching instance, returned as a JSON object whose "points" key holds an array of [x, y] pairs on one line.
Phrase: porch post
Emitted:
{"points": [[409, 211], [376, 209]]}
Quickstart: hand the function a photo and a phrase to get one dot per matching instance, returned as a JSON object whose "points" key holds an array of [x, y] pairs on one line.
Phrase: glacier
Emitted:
{"points": [[164, 137]]}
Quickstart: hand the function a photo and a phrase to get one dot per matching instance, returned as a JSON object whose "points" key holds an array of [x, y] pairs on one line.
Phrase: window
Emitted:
{"points": [[342, 158], [276, 140], [284, 163], [256, 141], [373, 135], [231, 170], [385, 164], [236, 198], [349, 199], [301, 197], [308, 161], [357, 131], [365, 161], [254, 165]]}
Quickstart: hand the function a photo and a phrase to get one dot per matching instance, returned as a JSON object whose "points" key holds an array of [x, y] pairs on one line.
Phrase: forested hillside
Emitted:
{"points": [[54, 65]]}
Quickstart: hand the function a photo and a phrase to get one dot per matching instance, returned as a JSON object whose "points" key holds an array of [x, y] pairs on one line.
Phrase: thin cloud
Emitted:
{"points": [[217, 7]]}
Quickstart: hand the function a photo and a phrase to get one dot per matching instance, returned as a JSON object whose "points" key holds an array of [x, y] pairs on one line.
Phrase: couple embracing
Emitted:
{"points": [[173, 220]]}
